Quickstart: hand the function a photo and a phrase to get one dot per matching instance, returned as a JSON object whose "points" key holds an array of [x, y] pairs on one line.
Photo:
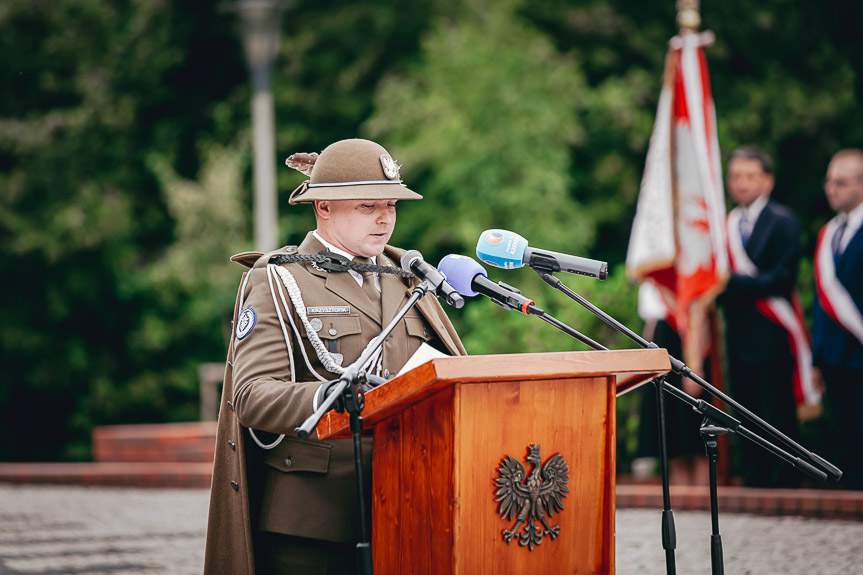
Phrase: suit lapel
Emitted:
{"points": [[760, 233], [393, 292], [854, 245], [346, 287], [426, 307], [431, 313], [341, 284]]}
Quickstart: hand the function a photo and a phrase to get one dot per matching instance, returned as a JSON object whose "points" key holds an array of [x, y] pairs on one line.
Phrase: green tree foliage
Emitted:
{"points": [[125, 164], [333, 56], [484, 122], [103, 320]]}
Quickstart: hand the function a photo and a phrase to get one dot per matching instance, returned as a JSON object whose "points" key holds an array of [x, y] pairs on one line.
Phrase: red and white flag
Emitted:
{"points": [[678, 234]]}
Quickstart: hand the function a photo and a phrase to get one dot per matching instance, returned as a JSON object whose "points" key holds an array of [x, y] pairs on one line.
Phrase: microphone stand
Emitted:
{"points": [[348, 395], [669, 534], [716, 422], [681, 368]]}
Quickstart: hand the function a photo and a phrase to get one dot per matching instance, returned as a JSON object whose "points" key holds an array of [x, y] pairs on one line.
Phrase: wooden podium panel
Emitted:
{"points": [[442, 431]]}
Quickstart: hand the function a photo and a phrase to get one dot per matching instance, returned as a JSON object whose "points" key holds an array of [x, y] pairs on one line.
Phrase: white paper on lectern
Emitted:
{"points": [[424, 354]]}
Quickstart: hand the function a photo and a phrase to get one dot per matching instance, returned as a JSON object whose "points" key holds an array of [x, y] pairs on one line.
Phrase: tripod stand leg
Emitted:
{"points": [[709, 434], [364, 547], [669, 534]]}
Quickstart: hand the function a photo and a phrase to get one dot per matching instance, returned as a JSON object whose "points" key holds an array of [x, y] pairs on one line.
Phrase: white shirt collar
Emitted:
{"points": [[753, 210], [354, 273], [854, 219], [336, 250]]}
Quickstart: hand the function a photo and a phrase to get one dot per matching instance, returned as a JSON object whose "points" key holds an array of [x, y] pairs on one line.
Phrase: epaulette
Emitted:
{"points": [[249, 259]]}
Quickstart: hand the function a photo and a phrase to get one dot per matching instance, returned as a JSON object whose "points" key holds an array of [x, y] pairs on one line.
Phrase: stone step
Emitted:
{"points": [[166, 442], [110, 474], [820, 503]]}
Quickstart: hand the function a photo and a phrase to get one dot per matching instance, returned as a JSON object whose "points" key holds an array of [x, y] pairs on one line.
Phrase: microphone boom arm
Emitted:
{"points": [[682, 369], [703, 407]]}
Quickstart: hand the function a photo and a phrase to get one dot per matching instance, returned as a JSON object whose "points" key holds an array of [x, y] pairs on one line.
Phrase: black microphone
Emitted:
{"points": [[470, 279], [508, 250], [413, 262]]}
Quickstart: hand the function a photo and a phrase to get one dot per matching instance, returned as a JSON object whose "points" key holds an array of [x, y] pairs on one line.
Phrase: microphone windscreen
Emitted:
{"points": [[459, 272], [408, 257], [501, 249]]}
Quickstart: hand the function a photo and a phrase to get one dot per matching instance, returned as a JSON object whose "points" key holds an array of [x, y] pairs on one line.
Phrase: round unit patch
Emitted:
{"points": [[246, 322]]}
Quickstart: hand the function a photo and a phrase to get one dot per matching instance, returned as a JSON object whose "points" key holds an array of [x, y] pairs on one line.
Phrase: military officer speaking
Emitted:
{"points": [[279, 504]]}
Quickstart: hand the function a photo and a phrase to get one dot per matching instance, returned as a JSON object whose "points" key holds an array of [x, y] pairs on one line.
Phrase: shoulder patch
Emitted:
{"points": [[246, 322]]}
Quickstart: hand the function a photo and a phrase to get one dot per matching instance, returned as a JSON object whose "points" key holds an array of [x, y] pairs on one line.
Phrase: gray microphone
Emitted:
{"points": [[413, 262]]}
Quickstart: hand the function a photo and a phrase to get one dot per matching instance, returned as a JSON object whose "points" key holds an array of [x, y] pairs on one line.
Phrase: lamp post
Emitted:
{"points": [[260, 21]]}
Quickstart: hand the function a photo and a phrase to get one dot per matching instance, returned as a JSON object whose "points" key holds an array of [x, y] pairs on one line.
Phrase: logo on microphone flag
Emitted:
{"points": [[678, 233], [494, 238]]}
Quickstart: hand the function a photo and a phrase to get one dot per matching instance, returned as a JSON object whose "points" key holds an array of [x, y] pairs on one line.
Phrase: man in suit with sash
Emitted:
{"points": [[837, 323], [766, 340], [280, 504]]}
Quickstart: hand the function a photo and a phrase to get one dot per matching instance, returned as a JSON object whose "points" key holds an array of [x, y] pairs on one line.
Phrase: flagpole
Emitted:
{"points": [[689, 21], [688, 16]]}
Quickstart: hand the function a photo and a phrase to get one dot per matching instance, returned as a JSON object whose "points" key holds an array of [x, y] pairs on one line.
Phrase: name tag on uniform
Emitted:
{"points": [[329, 310]]}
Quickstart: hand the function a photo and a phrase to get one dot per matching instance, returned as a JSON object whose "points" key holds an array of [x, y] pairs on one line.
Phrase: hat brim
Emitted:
{"points": [[304, 194]]}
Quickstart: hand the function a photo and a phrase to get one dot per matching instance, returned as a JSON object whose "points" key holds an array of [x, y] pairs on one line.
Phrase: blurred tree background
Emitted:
{"points": [[125, 166]]}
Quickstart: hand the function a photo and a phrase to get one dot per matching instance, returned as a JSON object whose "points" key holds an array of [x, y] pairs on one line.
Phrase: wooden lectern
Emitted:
{"points": [[443, 430]]}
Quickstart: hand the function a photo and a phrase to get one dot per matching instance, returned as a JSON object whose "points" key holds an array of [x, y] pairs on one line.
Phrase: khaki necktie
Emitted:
{"points": [[369, 282]]}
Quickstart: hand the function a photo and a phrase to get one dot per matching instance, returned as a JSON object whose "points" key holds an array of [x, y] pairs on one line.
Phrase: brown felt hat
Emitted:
{"points": [[349, 170]]}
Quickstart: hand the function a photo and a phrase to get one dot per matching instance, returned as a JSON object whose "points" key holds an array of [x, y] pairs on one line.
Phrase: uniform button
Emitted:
{"points": [[230, 405], [333, 331], [425, 333], [232, 445], [290, 249], [386, 374], [387, 339], [235, 486], [288, 462]]}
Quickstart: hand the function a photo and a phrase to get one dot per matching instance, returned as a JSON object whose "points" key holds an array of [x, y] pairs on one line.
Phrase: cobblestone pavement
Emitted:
{"points": [[81, 531]]}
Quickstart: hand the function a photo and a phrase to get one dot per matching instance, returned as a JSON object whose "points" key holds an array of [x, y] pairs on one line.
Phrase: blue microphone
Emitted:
{"points": [[508, 250], [470, 279]]}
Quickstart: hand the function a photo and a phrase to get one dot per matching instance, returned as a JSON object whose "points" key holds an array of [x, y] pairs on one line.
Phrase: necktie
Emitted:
{"points": [[837, 239], [369, 282], [745, 229]]}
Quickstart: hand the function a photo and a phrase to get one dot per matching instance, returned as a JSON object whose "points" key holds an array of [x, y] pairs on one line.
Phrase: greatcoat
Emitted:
{"points": [[300, 487]]}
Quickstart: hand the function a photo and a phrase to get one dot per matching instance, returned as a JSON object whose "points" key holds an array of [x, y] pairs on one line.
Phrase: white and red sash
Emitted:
{"points": [[787, 314], [832, 295]]}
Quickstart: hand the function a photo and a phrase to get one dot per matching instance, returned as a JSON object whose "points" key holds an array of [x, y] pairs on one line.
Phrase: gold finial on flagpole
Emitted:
{"points": [[688, 15]]}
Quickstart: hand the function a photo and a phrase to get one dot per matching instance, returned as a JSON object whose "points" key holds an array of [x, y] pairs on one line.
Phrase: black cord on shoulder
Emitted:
{"points": [[331, 262]]}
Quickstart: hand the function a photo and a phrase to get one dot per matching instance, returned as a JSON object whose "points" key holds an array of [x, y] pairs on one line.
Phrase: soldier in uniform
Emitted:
{"points": [[280, 504]]}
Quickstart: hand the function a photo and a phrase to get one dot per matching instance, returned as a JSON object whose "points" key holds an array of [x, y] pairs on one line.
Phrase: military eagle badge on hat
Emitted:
{"points": [[349, 170], [391, 168]]}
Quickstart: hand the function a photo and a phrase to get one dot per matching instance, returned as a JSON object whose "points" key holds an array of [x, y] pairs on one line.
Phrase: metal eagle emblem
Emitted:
{"points": [[532, 498]]}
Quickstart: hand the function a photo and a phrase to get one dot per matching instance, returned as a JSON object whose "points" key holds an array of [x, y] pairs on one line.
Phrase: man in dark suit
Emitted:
{"points": [[278, 503], [837, 326], [764, 240]]}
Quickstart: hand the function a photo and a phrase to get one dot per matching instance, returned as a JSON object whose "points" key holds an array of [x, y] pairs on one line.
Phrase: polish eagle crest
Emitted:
{"points": [[531, 498]]}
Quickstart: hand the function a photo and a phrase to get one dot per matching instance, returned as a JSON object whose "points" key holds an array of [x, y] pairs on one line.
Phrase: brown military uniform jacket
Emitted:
{"points": [[301, 487]]}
